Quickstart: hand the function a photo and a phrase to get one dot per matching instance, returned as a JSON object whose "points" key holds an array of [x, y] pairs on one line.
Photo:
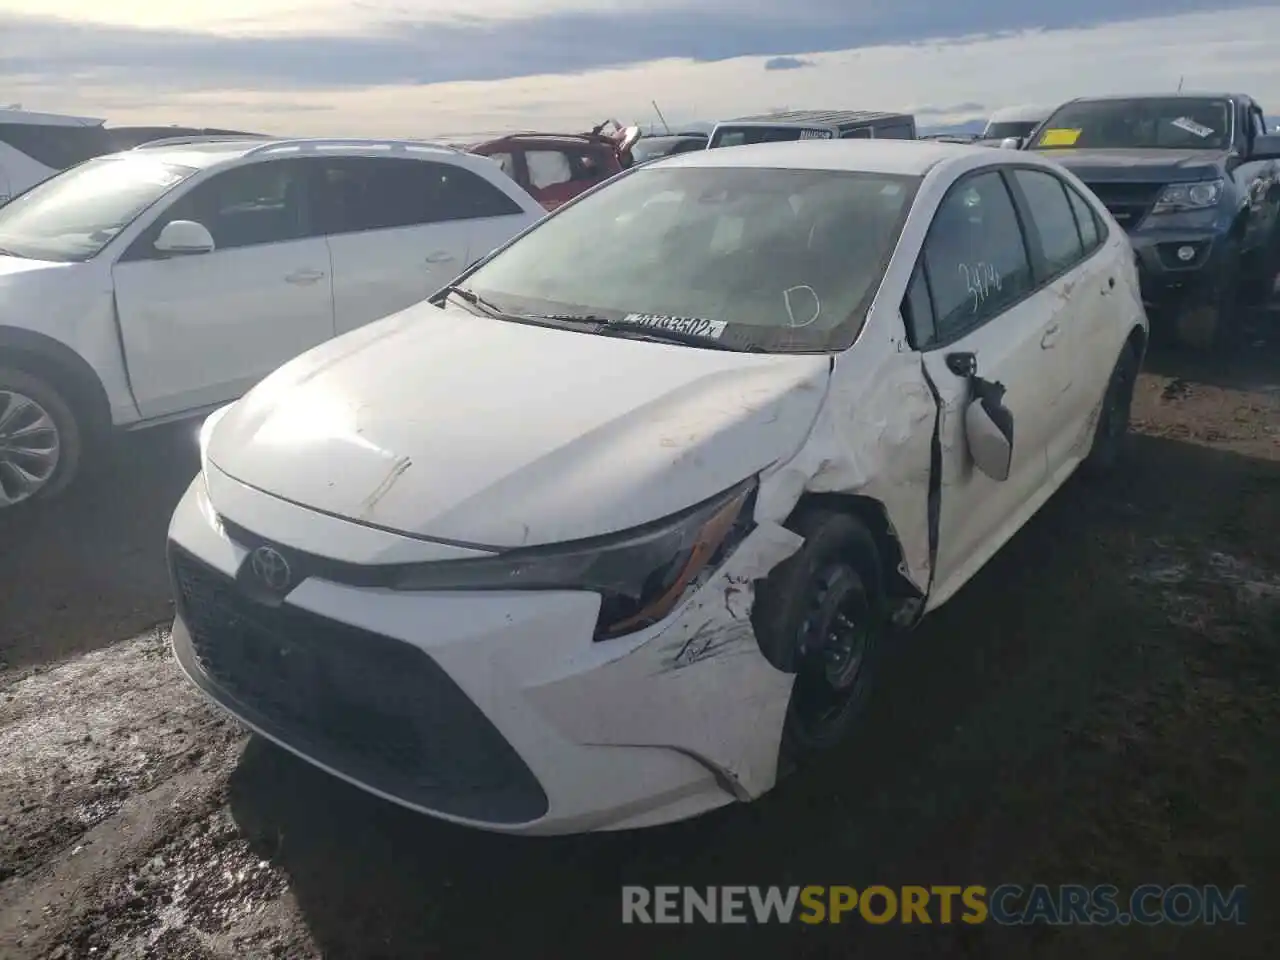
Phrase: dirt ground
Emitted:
{"points": [[1100, 705]]}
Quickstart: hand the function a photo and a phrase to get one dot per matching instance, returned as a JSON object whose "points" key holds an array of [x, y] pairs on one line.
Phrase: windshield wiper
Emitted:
{"points": [[638, 331], [475, 300]]}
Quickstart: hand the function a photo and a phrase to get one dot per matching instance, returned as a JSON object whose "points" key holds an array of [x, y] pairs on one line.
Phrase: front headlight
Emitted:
{"points": [[1189, 196], [640, 575], [206, 431]]}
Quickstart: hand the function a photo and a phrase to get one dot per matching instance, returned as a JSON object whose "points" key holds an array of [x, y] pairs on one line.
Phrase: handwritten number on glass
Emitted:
{"points": [[980, 280]]}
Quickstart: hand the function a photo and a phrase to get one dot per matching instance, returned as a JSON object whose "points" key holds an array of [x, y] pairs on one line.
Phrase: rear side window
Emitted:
{"points": [[1052, 219], [547, 168], [377, 193], [58, 147], [1086, 220], [975, 256], [896, 132], [506, 161], [857, 133]]}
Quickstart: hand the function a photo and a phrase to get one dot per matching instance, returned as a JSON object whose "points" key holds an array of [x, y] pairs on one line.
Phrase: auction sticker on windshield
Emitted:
{"points": [[1189, 125], [691, 325], [1063, 137]]}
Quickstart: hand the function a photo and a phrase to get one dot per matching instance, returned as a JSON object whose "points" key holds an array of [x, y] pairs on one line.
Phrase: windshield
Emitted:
{"points": [[764, 259], [1153, 123], [739, 136], [1009, 128], [76, 213], [648, 149]]}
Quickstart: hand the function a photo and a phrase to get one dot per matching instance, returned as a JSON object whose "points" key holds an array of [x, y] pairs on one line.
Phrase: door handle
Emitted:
{"points": [[440, 256], [1050, 336], [305, 276]]}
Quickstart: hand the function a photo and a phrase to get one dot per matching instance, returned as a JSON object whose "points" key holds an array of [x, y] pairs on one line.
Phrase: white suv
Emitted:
{"points": [[157, 283]]}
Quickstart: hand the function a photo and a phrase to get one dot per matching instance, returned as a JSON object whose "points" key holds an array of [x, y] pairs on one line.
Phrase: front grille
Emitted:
{"points": [[374, 708], [1129, 203]]}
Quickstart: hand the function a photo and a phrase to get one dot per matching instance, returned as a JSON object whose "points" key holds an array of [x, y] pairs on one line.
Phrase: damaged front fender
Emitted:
{"points": [[700, 686]]}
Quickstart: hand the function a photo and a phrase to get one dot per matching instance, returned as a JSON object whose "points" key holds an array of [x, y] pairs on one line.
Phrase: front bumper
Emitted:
{"points": [[494, 710], [1165, 278]]}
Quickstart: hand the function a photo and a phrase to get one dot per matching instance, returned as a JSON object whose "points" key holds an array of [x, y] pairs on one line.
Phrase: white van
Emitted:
{"points": [[35, 146]]}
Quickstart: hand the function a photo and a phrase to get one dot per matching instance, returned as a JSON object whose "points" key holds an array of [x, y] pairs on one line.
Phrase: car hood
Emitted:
{"points": [[1166, 166], [449, 426]]}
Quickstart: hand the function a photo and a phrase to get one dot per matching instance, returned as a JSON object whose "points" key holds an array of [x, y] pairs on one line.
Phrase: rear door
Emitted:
{"points": [[202, 328], [391, 246], [972, 296], [1079, 342]]}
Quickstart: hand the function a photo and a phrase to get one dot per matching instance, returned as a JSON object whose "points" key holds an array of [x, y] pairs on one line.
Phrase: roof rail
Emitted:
{"points": [[304, 144], [198, 138]]}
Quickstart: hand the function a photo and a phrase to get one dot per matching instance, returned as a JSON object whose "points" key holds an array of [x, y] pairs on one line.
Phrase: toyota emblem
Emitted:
{"points": [[270, 567]]}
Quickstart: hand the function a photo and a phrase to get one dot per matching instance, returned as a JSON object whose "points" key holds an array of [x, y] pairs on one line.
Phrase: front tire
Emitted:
{"points": [[41, 442], [821, 614]]}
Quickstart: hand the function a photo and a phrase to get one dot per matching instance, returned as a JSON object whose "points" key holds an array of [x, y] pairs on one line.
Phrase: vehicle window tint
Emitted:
{"points": [[456, 193], [1051, 218], [1086, 220], [975, 255], [380, 193], [917, 310], [506, 161], [57, 147], [547, 168], [895, 132], [248, 206], [858, 133], [587, 167]]}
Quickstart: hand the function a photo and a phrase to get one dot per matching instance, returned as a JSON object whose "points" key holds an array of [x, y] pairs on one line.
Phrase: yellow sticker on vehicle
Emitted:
{"points": [[1062, 137]]}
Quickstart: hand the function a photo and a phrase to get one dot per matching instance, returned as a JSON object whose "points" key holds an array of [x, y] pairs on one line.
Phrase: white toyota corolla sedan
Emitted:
{"points": [[610, 531]]}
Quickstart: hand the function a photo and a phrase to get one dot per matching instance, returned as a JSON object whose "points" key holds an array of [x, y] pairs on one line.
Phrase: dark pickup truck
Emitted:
{"points": [[1194, 179]]}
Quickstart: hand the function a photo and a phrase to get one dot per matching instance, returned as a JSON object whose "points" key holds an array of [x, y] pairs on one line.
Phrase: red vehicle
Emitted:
{"points": [[556, 167]]}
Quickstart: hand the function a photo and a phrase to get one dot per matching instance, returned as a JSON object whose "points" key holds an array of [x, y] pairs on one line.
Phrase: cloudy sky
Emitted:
{"points": [[424, 67]]}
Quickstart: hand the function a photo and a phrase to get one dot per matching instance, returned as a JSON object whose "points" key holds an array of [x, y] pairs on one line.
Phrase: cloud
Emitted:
{"points": [[787, 63], [391, 45], [942, 82]]}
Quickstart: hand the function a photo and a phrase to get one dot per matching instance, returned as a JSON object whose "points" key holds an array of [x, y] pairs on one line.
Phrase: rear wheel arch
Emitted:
{"points": [[64, 370]]}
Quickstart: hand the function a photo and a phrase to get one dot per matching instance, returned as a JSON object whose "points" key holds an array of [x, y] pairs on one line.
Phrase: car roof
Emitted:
{"points": [[905, 157], [1027, 112], [1175, 95], [32, 118], [835, 118], [208, 151]]}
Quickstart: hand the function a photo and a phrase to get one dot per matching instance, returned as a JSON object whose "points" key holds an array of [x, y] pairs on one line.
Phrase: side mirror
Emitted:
{"points": [[1266, 147], [988, 423], [1011, 143], [184, 237]]}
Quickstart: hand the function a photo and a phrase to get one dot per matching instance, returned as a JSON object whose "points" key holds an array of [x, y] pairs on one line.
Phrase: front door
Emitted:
{"points": [[201, 329], [971, 308]]}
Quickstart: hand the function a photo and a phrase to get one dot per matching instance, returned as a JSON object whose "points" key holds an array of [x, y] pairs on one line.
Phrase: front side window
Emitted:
{"points": [[771, 259], [72, 216], [1150, 123], [1052, 219], [249, 206], [975, 256]]}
